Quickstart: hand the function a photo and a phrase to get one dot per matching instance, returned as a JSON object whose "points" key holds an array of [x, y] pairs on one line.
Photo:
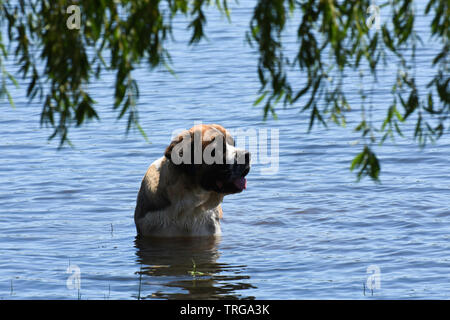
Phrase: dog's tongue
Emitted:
{"points": [[240, 183]]}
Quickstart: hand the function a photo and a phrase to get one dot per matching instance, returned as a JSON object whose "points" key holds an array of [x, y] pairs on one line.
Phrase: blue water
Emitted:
{"points": [[308, 231]]}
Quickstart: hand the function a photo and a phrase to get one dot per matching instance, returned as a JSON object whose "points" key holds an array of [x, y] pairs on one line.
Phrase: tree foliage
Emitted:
{"points": [[130, 32]]}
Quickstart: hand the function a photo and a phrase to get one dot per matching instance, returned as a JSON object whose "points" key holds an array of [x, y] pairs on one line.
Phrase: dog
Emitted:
{"points": [[181, 192]]}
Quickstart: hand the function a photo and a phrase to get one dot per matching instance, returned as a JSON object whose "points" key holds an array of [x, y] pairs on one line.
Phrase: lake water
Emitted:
{"points": [[308, 231]]}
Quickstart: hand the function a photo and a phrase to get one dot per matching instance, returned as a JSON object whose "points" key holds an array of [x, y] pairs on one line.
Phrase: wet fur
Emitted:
{"points": [[173, 201], [189, 210]]}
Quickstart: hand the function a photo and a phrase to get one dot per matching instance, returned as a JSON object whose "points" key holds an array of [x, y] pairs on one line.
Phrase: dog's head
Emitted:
{"points": [[207, 153]]}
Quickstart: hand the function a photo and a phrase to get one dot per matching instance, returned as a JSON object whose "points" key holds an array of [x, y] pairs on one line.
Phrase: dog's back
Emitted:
{"points": [[183, 198]]}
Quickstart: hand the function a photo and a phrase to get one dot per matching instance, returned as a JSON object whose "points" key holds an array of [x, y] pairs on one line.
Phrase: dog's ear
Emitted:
{"points": [[180, 152], [169, 149]]}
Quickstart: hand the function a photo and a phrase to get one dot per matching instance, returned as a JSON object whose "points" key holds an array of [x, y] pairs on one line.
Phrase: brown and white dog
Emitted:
{"points": [[182, 192]]}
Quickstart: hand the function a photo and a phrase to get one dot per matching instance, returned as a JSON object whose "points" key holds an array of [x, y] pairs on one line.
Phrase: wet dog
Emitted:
{"points": [[182, 192]]}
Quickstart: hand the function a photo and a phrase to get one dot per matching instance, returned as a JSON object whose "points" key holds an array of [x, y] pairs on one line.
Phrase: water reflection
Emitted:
{"points": [[188, 269]]}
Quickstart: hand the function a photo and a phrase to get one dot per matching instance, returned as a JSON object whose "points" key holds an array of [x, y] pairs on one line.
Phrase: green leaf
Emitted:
{"points": [[369, 164], [10, 99], [260, 98], [357, 160], [141, 130]]}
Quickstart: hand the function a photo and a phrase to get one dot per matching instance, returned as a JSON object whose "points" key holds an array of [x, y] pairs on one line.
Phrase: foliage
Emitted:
{"points": [[130, 32], [338, 29]]}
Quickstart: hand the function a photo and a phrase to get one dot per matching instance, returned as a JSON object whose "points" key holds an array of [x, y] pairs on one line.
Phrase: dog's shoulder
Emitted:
{"points": [[152, 177], [152, 195]]}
